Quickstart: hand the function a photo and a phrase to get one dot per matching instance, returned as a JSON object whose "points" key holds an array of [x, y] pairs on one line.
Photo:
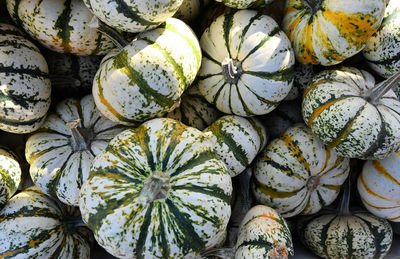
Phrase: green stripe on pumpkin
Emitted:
{"points": [[63, 27]]}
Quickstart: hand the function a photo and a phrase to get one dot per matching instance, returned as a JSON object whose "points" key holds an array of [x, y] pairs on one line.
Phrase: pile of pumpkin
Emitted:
{"points": [[174, 147]]}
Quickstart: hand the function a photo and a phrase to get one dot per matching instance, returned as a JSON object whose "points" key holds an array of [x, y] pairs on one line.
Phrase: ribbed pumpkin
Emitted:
{"points": [[237, 141], [296, 173], [247, 66], [243, 4], [147, 77], [326, 32], [157, 191], [379, 187], [348, 113], [61, 153], [133, 15], [61, 25], [25, 84], [382, 50], [33, 225], [190, 9], [194, 110], [10, 175]]}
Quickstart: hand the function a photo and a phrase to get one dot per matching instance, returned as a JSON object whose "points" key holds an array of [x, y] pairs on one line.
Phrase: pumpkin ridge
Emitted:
{"points": [[5, 32], [370, 191], [227, 25], [245, 30], [212, 190], [51, 186], [244, 105], [165, 249], [35, 73], [272, 192], [127, 11], [141, 242], [378, 208], [12, 122], [63, 26], [271, 103], [282, 168], [286, 74], [17, 44], [20, 99], [382, 170], [206, 55]]}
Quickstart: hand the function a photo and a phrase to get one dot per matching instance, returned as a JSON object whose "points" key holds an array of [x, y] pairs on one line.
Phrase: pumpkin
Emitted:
{"points": [[382, 49], [351, 115], [237, 141], [157, 191], [379, 187], [148, 76], [10, 175], [61, 152], [247, 66], [303, 73], [33, 225], [243, 4], [297, 174], [326, 32], [60, 25], [194, 110], [133, 15], [25, 84], [190, 9]]}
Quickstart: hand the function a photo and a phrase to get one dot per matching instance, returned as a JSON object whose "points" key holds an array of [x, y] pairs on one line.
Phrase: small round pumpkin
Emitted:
{"points": [[10, 175], [243, 4]]}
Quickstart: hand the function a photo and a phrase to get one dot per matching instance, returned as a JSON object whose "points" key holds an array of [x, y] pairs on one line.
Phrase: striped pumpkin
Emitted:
{"points": [[10, 175], [157, 191], [133, 15], [33, 225], [337, 107], [326, 32], [237, 141], [61, 153], [296, 173], [194, 110], [243, 4], [60, 25], [25, 94], [247, 66], [148, 76], [382, 50], [190, 9], [379, 187]]}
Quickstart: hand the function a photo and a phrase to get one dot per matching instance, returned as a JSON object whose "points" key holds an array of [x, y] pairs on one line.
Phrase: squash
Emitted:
{"points": [[379, 187], [26, 88], [133, 15], [237, 141], [351, 115], [326, 32], [61, 152], [296, 173], [10, 175], [190, 9], [382, 49], [157, 191], [243, 4], [148, 76], [60, 25], [33, 225], [248, 63], [303, 73]]}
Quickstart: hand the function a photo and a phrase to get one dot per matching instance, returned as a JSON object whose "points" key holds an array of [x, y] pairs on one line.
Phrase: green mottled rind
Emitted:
{"points": [[190, 9], [260, 50], [192, 217], [10, 176], [336, 108], [34, 226], [360, 235], [57, 168], [243, 4], [25, 91], [285, 170], [237, 141]]}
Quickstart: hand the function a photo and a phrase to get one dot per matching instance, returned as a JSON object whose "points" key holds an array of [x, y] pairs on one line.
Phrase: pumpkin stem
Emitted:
{"points": [[59, 80], [313, 5], [382, 88], [109, 32], [223, 253], [313, 182], [344, 205], [156, 187], [232, 70], [80, 137]]}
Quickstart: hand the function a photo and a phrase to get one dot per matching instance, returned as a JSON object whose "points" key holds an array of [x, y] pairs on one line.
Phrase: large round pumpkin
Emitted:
{"points": [[10, 175], [157, 191]]}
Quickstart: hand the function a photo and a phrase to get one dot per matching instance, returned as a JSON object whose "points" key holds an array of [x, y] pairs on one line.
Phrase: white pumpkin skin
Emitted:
{"points": [[24, 73], [248, 63], [379, 187], [59, 165], [297, 174], [10, 175], [243, 4], [190, 9], [147, 77]]}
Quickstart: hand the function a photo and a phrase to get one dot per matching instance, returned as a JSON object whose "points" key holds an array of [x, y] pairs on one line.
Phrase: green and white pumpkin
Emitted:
{"points": [[61, 25], [190, 9], [382, 50], [33, 225], [194, 110], [347, 111], [62, 151], [157, 191], [379, 187], [243, 4], [148, 76], [25, 92], [10, 175], [297, 174], [237, 141], [133, 15], [248, 63]]}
